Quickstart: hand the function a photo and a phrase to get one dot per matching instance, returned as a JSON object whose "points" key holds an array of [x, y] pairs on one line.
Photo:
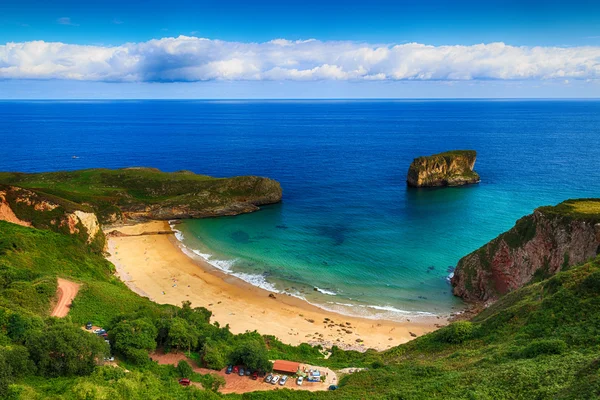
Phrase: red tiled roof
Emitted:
{"points": [[286, 366]]}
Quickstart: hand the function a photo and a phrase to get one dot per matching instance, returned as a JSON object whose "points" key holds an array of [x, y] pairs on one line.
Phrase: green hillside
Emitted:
{"points": [[539, 342], [150, 193]]}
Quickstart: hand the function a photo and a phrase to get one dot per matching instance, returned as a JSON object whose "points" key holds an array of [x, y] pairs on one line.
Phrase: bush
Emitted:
{"points": [[457, 333], [544, 346], [184, 369]]}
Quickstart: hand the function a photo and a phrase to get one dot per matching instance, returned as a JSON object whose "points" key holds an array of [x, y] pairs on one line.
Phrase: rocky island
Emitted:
{"points": [[552, 239], [451, 168]]}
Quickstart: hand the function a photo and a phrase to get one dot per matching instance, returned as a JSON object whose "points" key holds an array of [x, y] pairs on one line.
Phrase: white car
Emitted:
{"points": [[299, 381], [275, 380], [283, 380]]}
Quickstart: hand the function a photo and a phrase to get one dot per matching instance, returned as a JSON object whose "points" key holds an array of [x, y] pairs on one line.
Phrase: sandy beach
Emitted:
{"points": [[150, 261]]}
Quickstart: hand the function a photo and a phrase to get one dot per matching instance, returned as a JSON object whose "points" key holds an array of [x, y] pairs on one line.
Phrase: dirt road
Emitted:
{"points": [[66, 292]]}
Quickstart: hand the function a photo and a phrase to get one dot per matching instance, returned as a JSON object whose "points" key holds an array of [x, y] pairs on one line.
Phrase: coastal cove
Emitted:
{"points": [[348, 224], [153, 264]]}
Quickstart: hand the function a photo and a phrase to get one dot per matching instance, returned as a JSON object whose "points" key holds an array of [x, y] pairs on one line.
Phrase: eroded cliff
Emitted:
{"points": [[117, 196], [551, 239], [452, 168], [37, 209]]}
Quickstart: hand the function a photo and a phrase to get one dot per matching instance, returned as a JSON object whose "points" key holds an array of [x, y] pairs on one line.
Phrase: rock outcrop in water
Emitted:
{"points": [[452, 168], [539, 245]]}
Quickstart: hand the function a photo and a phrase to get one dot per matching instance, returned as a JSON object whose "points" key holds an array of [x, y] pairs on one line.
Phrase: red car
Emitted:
{"points": [[185, 382], [255, 375], [235, 369]]}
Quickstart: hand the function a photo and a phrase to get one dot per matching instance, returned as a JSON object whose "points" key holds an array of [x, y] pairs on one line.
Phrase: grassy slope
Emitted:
{"points": [[542, 341], [108, 191]]}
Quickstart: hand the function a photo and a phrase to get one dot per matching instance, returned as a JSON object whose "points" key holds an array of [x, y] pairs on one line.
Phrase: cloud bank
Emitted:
{"points": [[188, 59]]}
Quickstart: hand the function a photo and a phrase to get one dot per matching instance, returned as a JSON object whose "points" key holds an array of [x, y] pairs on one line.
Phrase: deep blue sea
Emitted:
{"points": [[348, 224]]}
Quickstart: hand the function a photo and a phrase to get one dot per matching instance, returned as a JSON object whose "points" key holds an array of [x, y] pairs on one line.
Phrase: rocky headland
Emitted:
{"points": [[78, 202], [552, 239], [451, 168]]}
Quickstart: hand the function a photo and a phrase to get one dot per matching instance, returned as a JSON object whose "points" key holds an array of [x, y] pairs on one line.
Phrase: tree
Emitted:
{"points": [[253, 354], [184, 369], [213, 356], [182, 335], [134, 339], [63, 349]]}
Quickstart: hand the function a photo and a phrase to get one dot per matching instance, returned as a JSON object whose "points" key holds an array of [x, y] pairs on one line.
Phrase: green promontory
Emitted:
{"points": [[452, 168], [144, 193]]}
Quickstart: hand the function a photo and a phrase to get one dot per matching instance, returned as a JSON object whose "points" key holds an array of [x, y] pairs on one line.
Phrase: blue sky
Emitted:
{"points": [[215, 69], [435, 22]]}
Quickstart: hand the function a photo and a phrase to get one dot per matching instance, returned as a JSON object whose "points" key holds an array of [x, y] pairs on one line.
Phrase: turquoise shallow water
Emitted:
{"points": [[348, 224]]}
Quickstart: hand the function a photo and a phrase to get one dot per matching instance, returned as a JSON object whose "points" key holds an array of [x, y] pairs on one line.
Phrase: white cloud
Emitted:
{"points": [[66, 21], [198, 59]]}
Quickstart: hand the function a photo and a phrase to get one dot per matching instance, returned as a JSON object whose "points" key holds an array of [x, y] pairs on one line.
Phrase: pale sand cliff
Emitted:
{"points": [[154, 265]]}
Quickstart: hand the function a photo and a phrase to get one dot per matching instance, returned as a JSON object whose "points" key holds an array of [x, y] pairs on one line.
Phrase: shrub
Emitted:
{"points": [[184, 369], [544, 346], [457, 333]]}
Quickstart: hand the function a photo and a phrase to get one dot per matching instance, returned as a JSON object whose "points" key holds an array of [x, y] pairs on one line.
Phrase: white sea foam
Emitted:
{"points": [[261, 282], [396, 310], [225, 265], [325, 291], [256, 280]]}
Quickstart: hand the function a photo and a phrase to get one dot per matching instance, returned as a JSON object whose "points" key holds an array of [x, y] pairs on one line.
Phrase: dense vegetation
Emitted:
{"points": [[539, 342], [146, 192]]}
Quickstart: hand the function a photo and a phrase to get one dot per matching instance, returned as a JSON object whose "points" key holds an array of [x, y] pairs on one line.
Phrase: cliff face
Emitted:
{"points": [[452, 168], [117, 196], [30, 208], [221, 197], [539, 245]]}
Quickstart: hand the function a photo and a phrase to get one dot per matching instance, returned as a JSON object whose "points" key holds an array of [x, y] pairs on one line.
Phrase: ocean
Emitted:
{"points": [[349, 235]]}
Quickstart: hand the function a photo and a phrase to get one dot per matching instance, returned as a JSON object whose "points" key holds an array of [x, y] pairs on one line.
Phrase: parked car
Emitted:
{"points": [[241, 373], [275, 380], [283, 380], [100, 331], [185, 382], [299, 381], [235, 369], [254, 375], [229, 369], [332, 387], [268, 378], [88, 326], [248, 372]]}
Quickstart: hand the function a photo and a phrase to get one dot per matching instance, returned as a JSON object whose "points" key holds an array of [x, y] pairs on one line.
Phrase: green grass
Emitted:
{"points": [[113, 191], [539, 342], [575, 209]]}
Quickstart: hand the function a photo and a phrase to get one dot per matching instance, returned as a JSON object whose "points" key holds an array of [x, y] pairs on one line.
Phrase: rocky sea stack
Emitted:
{"points": [[451, 168], [538, 246]]}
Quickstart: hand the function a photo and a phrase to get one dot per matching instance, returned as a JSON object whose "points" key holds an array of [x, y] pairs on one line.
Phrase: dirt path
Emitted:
{"points": [[243, 384], [66, 292]]}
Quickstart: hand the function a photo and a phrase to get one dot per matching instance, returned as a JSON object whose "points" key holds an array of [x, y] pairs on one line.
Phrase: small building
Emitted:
{"points": [[288, 367]]}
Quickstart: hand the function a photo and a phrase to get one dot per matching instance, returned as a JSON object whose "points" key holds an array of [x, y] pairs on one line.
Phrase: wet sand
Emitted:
{"points": [[150, 261]]}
